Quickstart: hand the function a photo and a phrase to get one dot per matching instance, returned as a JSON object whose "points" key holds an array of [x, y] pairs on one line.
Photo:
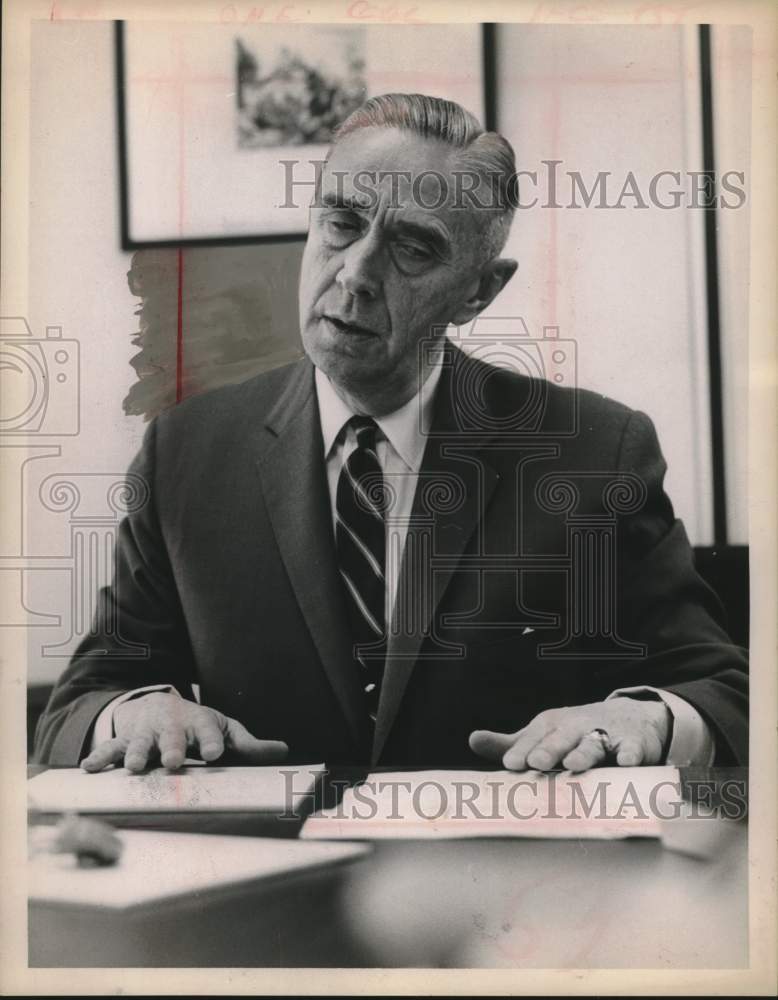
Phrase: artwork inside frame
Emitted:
{"points": [[221, 127], [300, 93]]}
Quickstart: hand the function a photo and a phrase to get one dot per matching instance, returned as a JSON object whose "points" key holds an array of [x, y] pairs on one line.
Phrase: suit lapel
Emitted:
{"points": [[294, 484], [454, 461]]}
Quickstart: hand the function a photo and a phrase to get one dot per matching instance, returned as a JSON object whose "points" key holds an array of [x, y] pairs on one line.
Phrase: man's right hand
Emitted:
{"points": [[165, 727]]}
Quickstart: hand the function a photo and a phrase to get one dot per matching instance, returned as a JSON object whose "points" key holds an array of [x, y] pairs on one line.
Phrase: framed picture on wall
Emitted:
{"points": [[221, 127]]}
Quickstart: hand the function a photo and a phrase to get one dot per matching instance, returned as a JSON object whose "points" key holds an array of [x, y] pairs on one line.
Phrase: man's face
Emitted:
{"points": [[381, 270]]}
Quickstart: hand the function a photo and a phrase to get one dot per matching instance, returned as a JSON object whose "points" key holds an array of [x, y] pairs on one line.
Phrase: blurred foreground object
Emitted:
{"points": [[92, 842]]}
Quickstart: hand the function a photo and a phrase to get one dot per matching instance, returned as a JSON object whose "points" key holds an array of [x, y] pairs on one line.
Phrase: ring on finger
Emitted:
{"points": [[601, 737]]}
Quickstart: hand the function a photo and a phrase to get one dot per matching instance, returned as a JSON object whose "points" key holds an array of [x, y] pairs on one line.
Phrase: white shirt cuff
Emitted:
{"points": [[692, 743], [104, 725]]}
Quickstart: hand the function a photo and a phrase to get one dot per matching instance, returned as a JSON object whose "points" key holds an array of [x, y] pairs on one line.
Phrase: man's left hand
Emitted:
{"points": [[635, 733]]}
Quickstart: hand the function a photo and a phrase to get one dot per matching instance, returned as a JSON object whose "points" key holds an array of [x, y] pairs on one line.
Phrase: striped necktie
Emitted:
{"points": [[361, 545]]}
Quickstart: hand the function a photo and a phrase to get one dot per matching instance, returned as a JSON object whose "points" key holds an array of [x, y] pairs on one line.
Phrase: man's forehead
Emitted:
{"points": [[372, 165]]}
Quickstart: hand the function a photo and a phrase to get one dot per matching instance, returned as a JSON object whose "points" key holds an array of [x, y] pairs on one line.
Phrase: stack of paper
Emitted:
{"points": [[605, 803], [186, 798]]}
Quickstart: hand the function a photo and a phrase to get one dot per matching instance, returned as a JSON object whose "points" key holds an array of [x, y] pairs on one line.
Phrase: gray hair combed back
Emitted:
{"points": [[487, 154]]}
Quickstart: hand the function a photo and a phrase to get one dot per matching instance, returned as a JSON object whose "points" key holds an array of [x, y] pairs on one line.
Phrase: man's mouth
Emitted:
{"points": [[352, 329]]}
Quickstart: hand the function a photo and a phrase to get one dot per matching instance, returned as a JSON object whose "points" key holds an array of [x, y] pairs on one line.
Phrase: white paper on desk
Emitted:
{"points": [[159, 866], [605, 803], [194, 788]]}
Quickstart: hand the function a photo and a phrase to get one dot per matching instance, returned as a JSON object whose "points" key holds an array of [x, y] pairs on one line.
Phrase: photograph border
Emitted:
{"points": [[760, 977]]}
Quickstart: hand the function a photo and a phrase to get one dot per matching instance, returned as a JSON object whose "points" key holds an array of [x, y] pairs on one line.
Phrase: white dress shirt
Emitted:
{"points": [[400, 444]]}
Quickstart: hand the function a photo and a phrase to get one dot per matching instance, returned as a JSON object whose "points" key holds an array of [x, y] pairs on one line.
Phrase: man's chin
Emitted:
{"points": [[361, 359]]}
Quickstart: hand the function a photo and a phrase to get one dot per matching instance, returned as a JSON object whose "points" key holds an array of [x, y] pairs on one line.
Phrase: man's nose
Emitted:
{"points": [[360, 272]]}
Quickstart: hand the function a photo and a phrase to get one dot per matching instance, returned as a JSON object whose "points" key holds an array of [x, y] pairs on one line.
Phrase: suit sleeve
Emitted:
{"points": [[138, 635], [665, 605]]}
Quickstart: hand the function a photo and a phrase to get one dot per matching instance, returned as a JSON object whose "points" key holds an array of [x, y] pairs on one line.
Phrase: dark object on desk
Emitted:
{"points": [[92, 841]]}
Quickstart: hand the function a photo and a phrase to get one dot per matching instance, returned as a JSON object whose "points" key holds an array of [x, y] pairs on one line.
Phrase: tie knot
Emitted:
{"points": [[365, 429]]}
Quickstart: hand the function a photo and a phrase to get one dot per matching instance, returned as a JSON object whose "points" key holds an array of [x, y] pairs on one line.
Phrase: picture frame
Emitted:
{"points": [[220, 127]]}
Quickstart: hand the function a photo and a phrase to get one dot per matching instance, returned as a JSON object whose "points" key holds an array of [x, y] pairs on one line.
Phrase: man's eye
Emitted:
{"points": [[340, 231], [414, 251], [343, 227]]}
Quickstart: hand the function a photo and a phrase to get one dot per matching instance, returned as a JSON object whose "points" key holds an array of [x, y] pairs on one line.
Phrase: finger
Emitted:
{"points": [[589, 752], [515, 758], [138, 750], [107, 752], [653, 747], [491, 745], [209, 737], [631, 752], [552, 748], [172, 746], [248, 746]]}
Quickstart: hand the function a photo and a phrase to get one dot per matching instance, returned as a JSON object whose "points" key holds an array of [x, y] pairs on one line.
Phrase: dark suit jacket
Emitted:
{"points": [[228, 575]]}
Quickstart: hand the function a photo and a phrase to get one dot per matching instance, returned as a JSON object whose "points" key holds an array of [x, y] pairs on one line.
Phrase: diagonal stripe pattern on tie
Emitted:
{"points": [[360, 536]]}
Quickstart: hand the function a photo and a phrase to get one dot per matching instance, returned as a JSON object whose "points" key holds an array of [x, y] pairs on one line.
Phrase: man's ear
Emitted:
{"points": [[495, 275]]}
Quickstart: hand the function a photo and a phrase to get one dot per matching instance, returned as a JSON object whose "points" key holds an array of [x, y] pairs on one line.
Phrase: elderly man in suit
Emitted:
{"points": [[391, 552]]}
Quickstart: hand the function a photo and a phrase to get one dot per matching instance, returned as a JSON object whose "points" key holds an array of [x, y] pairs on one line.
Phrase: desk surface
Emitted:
{"points": [[477, 903]]}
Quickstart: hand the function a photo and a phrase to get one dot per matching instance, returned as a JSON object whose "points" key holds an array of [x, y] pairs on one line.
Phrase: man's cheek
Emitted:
{"points": [[317, 277]]}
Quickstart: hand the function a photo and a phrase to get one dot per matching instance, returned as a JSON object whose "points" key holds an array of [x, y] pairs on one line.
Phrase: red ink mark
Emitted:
{"points": [[229, 14], [585, 15], [363, 10], [180, 329], [282, 15], [659, 14]]}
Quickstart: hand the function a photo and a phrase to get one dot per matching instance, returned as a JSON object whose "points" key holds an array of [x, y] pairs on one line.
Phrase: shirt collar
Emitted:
{"points": [[406, 429]]}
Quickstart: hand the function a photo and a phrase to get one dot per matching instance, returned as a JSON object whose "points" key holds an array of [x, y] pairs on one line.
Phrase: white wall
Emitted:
{"points": [[77, 280], [78, 274], [625, 284]]}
